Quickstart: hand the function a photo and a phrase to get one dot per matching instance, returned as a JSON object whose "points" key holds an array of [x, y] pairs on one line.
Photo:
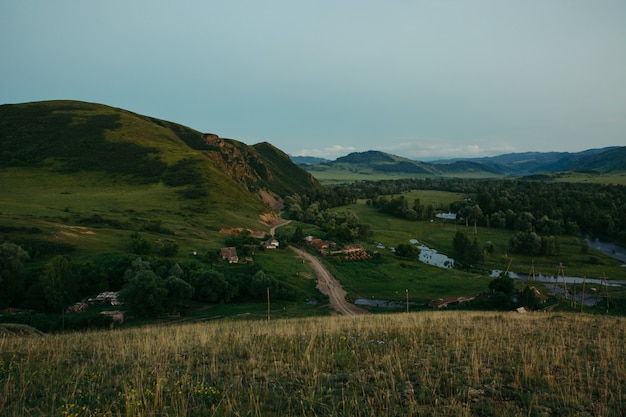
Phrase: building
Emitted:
{"points": [[229, 254]]}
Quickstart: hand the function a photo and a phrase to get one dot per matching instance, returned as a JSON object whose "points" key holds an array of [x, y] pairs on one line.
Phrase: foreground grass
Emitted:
{"points": [[430, 363]]}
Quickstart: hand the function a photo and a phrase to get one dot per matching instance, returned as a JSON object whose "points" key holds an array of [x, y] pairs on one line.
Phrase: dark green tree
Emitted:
{"points": [[405, 250], [140, 245], [12, 273], [211, 286], [503, 284], [145, 294], [60, 283], [178, 291], [298, 235]]}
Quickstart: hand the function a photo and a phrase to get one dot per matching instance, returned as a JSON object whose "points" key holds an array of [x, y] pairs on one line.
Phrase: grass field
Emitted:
{"points": [[337, 175], [388, 277], [429, 363], [333, 175], [98, 214]]}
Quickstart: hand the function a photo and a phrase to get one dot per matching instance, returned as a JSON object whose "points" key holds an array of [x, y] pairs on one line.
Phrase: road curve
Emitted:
{"points": [[328, 285]]}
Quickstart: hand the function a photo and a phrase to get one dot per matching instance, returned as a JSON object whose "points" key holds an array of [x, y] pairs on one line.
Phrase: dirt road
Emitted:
{"points": [[328, 285]]}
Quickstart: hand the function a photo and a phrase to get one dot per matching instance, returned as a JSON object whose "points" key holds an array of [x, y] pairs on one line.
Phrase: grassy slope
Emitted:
{"points": [[63, 162], [429, 363]]}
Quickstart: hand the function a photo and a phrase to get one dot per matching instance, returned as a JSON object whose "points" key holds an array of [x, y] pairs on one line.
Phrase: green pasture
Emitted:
{"points": [[286, 266], [389, 276], [440, 200], [98, 214], [338, 175]]}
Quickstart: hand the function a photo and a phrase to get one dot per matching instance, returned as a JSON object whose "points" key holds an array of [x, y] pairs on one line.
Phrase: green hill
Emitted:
{"points": [[66, 165]]}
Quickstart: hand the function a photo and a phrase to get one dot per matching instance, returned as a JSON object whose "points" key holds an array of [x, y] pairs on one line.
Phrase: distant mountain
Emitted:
{"points": [[515, 164], [377, 161], [307, 160], [526, 163]]}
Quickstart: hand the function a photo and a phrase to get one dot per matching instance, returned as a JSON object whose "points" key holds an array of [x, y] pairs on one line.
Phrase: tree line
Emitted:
{"points": [[149, 285], [536, 211]]}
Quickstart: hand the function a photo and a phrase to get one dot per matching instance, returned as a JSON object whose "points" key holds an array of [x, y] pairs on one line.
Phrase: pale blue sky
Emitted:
{"points": [[421, 79]]}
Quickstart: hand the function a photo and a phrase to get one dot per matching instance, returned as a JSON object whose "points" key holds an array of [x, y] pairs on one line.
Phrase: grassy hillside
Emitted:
{"points": [[435, 364], [66, 165]]}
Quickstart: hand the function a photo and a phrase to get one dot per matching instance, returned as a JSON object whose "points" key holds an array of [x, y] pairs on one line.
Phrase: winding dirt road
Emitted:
{"points": [[328, 285]]}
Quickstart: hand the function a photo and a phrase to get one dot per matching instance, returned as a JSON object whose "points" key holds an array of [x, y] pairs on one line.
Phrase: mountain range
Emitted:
{"points": [[604, 160]]}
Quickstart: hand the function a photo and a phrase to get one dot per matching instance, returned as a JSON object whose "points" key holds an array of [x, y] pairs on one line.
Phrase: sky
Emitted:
{"points": [[416, 78]]}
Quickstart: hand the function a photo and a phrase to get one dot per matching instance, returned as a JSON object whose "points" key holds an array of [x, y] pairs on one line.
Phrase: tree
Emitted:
{"points": [[298, 235], [12, 272], [476, 254], [178, 290], [406, 250], [139, 245], [503, 284], [59, 282], [211, 286], [528, 243], [462, 246], [145, 294]]}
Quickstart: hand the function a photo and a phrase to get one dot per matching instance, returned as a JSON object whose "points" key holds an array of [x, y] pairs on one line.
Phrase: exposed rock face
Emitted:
{"points": [[237, 161]]}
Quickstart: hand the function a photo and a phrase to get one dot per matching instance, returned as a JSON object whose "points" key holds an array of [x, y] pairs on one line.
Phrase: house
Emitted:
{"points": [[107, 297], [229, 254], [542, 298], [116, 315], [271, 244]]}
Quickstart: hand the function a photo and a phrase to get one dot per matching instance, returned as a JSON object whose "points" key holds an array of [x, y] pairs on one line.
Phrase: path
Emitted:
{"points": [[328, 285]]}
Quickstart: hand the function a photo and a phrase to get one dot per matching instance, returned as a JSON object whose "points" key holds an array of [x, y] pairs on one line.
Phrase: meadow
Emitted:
{"points": [[96, 213], [428, 363], [388, 276]]}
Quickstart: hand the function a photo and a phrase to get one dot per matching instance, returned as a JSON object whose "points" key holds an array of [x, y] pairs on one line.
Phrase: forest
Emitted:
{"points": [[526, 206]]}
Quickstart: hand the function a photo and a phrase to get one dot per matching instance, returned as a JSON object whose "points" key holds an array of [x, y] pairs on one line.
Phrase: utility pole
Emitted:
{"points": [[407, 300], [582, 299], [268, 303]]}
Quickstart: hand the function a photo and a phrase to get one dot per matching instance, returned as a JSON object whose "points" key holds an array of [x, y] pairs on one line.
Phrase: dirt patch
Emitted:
{"points": [[270, 218], [76, 229], [271, 199], [234, 231]]}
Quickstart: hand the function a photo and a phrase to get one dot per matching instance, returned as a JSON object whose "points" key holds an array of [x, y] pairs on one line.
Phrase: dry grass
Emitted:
{"points": [[434, 363]]}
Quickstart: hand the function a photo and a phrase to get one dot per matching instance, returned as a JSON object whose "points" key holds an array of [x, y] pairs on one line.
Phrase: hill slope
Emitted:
{"points": [[65, 162]]}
